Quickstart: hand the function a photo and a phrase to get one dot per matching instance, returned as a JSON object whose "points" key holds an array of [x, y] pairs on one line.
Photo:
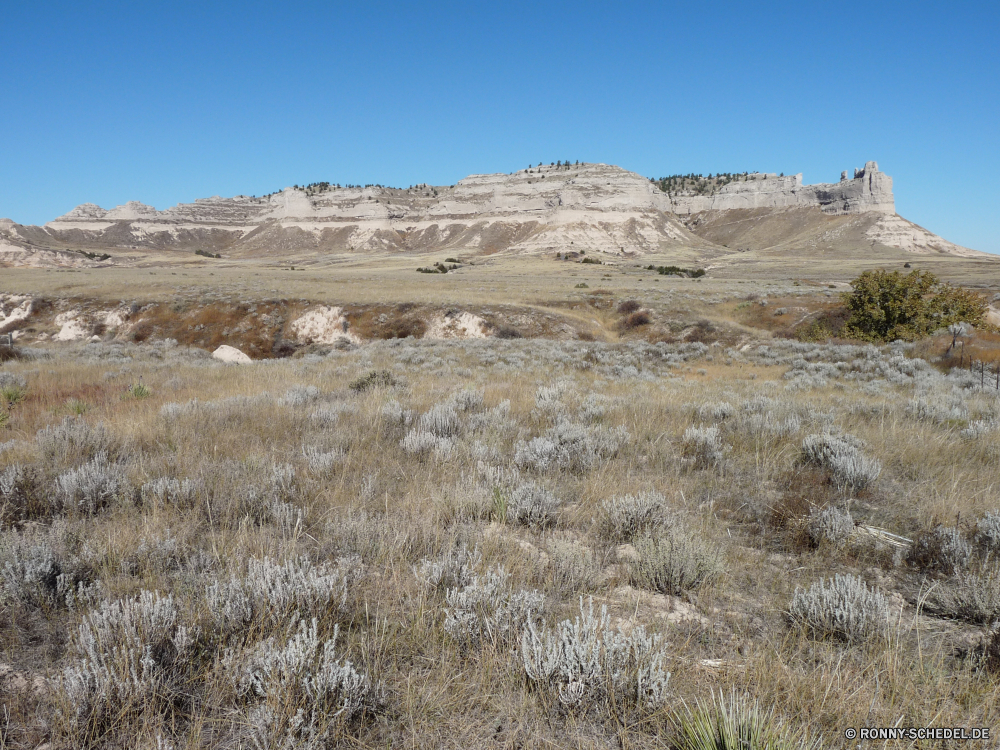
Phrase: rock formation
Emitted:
{"points": [[869, 192], [582, 207]]}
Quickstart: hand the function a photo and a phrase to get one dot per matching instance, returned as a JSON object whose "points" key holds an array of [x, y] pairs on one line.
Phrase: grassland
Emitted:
{"points": [[301, 553]]}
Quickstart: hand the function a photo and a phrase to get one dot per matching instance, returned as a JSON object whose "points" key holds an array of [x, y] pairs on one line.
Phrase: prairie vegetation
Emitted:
{"points": [[495, 543]]}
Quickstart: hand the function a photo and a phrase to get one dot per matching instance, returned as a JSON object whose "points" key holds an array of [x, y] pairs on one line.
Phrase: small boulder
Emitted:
{"points": [[227, 353]]}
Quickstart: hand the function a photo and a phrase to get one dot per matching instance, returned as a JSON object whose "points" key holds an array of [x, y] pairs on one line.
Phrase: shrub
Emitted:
{"points": [[22, 496], [573, 567], [674, 561], [703, 445], [300, 395], [886, 306], [973, 597], [487, 609], [271, 593], [942, 549], [374, 379], [570, 446], [841, 456], [845, 609], [93, 486], [180, 493], [628, 306], [440, 420], [624, 518], [455, 569], [299, 691], [74, 440], [586, 664], [829, 526], [736, 723], [507, 332], [988, 530], [531, 505], [33, 573], [635, 320], [132, 655], [420, 443]]}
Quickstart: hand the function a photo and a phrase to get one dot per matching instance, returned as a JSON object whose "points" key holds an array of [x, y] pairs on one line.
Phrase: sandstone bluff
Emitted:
{"points": [[585, 207]]}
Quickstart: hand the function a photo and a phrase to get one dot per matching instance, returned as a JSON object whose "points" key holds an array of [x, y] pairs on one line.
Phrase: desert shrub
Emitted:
{"points": [[33, 573], [530, 505], [488, 610], [467, 399], [703, 445], [971, 596], [320, 461], [259, 493], [570, 446], [270, 593], [131, 658], [628, 306], [440, 420], [573, 566], [93, 486], [455, 569], [394, 413], [420, 443], [586, 664], [886, 306], [623, 518], [22, 496], [298, 691], [138, 391], [507, 332], [987, 529], [738, 722], [941, 549], [829, 526], [674, 560], [300, 395], [844, 609], [374, 379], [635, 320], [74, 440], [843, 458]]}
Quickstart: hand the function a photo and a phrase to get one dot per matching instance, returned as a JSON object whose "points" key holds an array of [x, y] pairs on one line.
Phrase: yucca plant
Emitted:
{"points": [[736, 722]]}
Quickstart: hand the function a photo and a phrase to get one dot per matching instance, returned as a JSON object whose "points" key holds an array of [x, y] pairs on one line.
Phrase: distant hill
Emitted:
{"points": [[594, 208]]}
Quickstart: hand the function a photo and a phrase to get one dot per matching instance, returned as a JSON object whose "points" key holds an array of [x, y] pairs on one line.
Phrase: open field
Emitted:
{"points": [[386, 541]]}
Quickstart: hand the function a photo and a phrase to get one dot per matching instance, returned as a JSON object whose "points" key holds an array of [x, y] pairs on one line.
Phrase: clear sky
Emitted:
{"points": [[106, 102]]}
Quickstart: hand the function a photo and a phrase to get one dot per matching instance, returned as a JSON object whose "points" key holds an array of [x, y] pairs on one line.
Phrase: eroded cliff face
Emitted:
{"points": [[582, 207], [870, 191], [592, 207]]}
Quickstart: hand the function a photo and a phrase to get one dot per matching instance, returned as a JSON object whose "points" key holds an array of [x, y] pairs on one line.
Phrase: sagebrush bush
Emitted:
{"points": [[93, 486], [22, 494], [298, 691], [573, 567], [674, 560], [586, 664], [33, 573], [941, 549], [703, 445], [570, 446], [132, 657], [987, 530], [829, 526], [454, 569], [843, 608], [488, 610], [623, 518], [842, 457], [972, 596], [179, 493], [529, 504], [74, 440], [270, 593]]}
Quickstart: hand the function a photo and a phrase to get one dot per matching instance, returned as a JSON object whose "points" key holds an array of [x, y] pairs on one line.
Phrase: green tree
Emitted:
{"points": [[885, 306]]}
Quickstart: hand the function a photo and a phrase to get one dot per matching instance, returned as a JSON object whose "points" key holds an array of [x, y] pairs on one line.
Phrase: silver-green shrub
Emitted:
{"points": [[843, 608], [587, 664], [673, 560], [829, 526], [93, 486], [703, 445], [622, 518], [942, 549], [488, 610], [842, 457]]}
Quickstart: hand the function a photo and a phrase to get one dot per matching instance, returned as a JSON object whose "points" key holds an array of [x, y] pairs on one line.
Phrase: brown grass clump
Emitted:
{"points": [[635, 320]]}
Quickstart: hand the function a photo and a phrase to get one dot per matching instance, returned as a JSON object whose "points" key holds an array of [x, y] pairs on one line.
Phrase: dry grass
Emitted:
{"points": [[388, 510]]}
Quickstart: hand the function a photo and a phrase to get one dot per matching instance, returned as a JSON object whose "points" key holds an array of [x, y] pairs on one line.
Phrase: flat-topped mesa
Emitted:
{"points": [[870, 191]]}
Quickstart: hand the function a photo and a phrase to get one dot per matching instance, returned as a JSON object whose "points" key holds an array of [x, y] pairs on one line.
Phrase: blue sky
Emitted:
{"points": [[106, 102]]}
